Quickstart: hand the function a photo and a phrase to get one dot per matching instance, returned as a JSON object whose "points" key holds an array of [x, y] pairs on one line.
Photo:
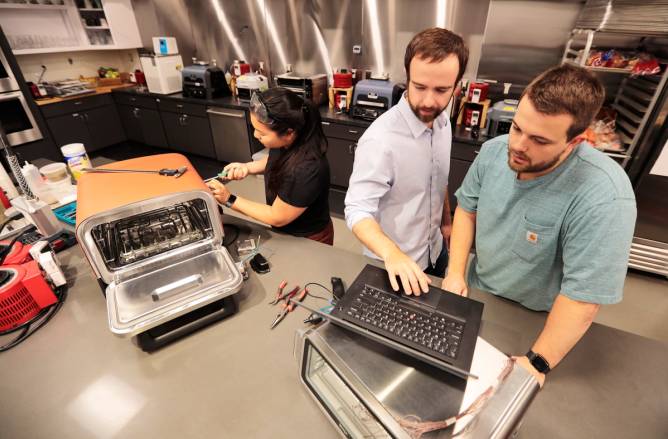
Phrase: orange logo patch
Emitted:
{"points": [[532, 237]]}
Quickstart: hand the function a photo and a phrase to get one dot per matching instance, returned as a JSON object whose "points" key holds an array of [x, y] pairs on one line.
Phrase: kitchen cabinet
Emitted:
{"points": [[461, 159], [189, 134], [92, 121], [143, 125], [342, 143], [69, 25]]}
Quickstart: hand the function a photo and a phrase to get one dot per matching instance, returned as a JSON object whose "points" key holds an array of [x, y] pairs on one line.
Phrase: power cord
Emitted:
{"points": [[44, 316], [321, 286], [27, 329], [233, 230], [16, 216], [6, 250]]}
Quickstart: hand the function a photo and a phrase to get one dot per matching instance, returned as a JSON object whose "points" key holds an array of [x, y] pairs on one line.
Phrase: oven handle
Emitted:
{"points": [[176, 286], [12, 95], [221, 113]]}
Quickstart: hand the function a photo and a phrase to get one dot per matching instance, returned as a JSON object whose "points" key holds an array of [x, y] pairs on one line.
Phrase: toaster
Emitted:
{"points": [[311, 87], [155, 244], [204, 81]]}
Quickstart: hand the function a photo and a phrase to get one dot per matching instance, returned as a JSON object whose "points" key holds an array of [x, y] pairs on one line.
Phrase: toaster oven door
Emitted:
{"points": [[142, 300]]}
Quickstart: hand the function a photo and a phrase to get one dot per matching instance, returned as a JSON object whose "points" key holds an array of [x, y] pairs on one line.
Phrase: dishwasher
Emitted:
{"points": [[230, 134]]}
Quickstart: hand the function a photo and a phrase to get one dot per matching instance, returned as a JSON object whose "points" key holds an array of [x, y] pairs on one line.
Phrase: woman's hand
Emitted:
{"points": [[236, 171], [219, 191]]}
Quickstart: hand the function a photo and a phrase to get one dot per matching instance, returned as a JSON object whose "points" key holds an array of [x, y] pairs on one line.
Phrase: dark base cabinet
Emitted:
{"points": [[458, 170], [92, 121], [190, 134], [104, 127], [461, 158], [341, 156], [342, 143], [143, 125], [69, 128]]}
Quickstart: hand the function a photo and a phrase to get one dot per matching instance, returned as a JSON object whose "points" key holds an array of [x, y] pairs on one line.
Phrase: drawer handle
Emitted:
{"points": [[176, 287], [78, 102], [179, 105], [353, 131], [351, 148], [325, 123], [157, 100], [135, 111], [223, 113], [133, 99]]}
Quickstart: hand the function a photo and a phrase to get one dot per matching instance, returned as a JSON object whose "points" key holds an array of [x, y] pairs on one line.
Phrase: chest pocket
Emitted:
{"points": [[534, 242]]}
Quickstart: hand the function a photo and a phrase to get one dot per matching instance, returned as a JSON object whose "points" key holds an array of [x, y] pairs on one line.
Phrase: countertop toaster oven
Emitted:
{"points": [[155, 244]]}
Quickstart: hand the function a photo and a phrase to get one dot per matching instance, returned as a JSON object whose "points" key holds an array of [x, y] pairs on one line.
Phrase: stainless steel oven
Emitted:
{"points": [[7, 79], [15, 114], [17, 119]]}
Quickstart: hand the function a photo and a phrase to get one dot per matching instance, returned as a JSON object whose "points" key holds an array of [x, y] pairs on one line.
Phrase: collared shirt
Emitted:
{"points": [[566, 232], [399, 179]]}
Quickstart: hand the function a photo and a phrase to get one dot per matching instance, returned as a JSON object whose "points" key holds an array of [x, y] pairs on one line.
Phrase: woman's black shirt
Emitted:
{"points": [[307, 185]]}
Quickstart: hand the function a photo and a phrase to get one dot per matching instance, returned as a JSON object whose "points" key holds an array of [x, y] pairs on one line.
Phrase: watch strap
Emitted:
{"points": [[538, 362], [230, 201]]}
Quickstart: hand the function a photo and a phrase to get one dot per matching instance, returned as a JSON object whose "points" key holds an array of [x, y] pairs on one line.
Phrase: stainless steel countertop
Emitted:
{"points": [[75, 379]]}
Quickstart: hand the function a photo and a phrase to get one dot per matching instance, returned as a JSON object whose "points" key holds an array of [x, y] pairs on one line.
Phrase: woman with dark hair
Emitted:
{"points": [[296, 171]]}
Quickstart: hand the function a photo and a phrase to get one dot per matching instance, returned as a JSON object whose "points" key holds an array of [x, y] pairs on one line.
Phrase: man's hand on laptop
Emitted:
{"points": [[413, 279], [455, 283]]}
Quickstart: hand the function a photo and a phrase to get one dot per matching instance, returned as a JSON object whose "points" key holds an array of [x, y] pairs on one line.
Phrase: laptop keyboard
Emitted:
{"points": [[407, 321]]}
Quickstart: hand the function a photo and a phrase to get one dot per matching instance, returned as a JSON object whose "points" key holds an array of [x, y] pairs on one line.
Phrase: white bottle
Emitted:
{"points": [[37, 184], [7, 185], [76, 158]]}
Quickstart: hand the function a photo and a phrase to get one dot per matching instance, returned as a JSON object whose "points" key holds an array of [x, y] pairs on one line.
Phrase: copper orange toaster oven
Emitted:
{"points": [[155, 244]]}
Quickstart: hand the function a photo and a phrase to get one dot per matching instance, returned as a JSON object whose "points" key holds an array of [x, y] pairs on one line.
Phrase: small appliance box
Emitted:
{"points": [[165, 46], [163, 73]]}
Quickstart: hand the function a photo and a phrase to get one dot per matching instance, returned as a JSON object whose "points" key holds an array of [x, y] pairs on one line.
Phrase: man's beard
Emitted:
{"points": [[531, 167], [426, 118]]}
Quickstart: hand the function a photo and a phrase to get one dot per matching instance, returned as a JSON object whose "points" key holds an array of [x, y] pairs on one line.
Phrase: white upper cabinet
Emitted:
{"points": [[47, 26]]}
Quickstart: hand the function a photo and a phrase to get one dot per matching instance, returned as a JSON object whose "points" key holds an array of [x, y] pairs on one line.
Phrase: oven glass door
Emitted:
{"points": [[17, 120], [7, 80], [346, 409]]}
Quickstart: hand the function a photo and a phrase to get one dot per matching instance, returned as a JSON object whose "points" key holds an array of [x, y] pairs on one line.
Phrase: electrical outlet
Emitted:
{"points": [[357, 49]]}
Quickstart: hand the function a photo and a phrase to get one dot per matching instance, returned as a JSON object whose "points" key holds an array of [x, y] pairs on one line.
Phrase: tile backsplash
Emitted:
{"points": [[71, 65]]}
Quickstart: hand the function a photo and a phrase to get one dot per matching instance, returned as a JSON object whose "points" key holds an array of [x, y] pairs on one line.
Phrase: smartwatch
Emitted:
{"points": [[230, 201], [538, 362]]}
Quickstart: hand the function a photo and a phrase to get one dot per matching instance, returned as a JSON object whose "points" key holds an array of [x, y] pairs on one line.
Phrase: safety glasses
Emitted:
{"points": [[260, 110]]}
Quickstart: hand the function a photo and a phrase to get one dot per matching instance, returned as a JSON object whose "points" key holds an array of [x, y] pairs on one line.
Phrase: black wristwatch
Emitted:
{"points": [[230, 201], [538, 362]]}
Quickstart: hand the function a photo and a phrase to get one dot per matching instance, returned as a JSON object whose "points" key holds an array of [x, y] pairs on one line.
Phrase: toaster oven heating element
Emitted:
{"points": [[139, 237]]}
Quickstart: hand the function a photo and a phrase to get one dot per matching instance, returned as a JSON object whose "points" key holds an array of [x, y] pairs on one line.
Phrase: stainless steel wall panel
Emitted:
{"points": [[226, 30], [523, 38], [313, 36], [166, 18]]}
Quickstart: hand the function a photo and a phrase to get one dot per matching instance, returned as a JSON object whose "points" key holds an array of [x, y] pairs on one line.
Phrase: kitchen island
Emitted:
{"points": [[239, 379]]}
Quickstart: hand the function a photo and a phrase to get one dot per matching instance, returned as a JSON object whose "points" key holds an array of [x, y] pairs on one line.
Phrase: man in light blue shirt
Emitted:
{"points": [[552, 217], [397, 197]]}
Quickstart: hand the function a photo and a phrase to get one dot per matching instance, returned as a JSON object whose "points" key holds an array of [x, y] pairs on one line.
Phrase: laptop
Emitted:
{"points": [[438, 325]]}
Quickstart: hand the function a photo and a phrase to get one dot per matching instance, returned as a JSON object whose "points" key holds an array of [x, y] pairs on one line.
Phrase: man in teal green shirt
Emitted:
{"points": [[552, 217]]}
